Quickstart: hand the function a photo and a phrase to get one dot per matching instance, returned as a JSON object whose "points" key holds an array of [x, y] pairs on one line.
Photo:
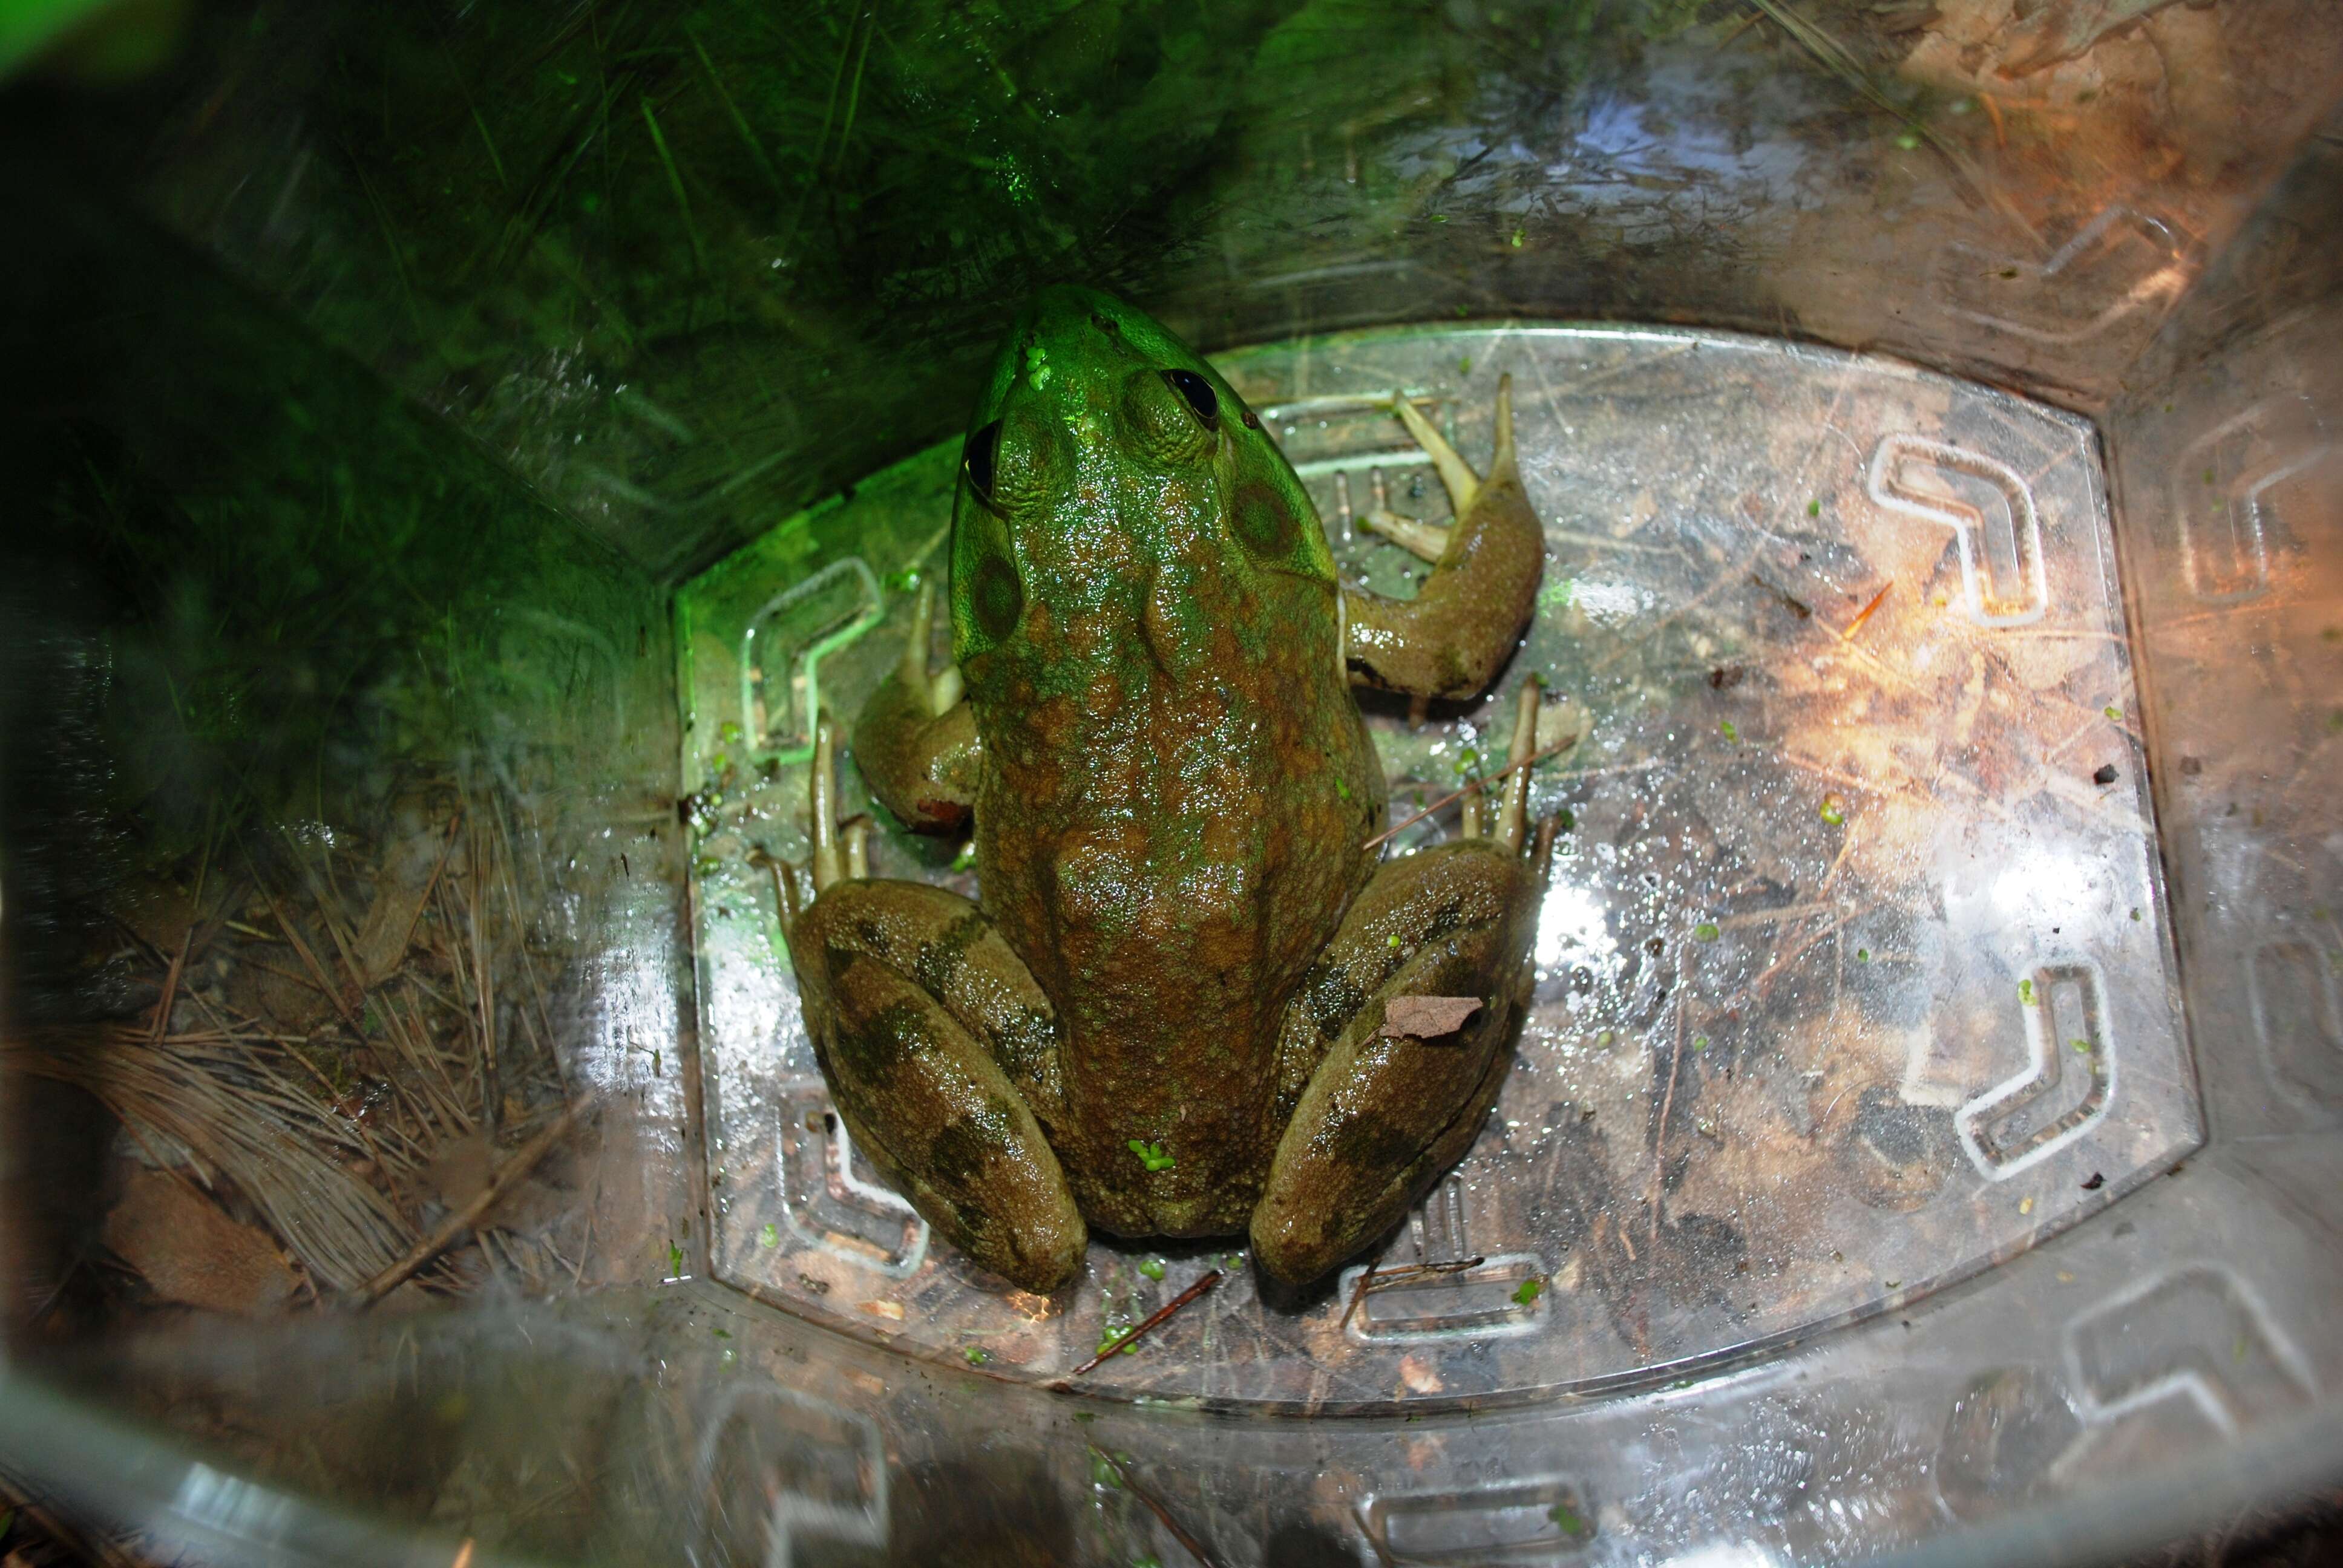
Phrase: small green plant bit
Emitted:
{"points": [[1152, 1155]]}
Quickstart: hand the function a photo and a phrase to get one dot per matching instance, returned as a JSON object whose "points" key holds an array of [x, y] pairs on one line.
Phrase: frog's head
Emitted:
{"points": [[1112, 481]]}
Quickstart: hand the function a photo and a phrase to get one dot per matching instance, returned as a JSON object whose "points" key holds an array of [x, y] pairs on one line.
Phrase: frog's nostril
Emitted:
{"points": [[977, 457]]}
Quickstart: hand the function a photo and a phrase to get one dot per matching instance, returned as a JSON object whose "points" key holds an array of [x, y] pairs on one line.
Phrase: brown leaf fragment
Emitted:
{"points": [[2063, 29], [1426, 1017], [402, 886], [191, 1252], [458, 1171]]}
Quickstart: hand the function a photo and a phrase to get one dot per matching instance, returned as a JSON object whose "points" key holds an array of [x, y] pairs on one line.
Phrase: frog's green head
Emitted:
{"points": [[1110, 477]]}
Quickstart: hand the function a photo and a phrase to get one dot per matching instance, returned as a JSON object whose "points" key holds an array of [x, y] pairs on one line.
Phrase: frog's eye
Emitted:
{"points": [[1203, 401], [977, 458], [1171, 421]]}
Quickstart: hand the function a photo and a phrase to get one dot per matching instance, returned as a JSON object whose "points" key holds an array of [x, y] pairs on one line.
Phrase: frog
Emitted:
{"points": [[1170, 1010]]}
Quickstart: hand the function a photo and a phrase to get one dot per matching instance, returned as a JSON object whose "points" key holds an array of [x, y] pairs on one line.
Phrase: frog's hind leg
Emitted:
{"points": [[940, 1053], [1452, 636], [1377, 1111], [916, 738]]}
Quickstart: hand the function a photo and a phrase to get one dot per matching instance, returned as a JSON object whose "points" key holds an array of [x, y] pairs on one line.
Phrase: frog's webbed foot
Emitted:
{"points": [[1428, 541], [940, 1051], [1377, 1113], [1452, 636], [916, 740]]}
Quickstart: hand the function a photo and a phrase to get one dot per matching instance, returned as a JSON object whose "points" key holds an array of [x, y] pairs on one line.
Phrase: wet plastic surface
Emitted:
{"points": [[629, 257], [1854, 977]]}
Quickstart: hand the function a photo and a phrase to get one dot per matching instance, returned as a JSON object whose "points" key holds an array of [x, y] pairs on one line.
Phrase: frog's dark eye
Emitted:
{"points": [[1203, 401], [1166, 421], [977, 458]]}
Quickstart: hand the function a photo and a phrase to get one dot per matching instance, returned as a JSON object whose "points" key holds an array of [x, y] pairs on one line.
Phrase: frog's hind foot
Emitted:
{"points": [[1512, 827], [916, 738], [1451, 639], [841, 850], [1431, 541]]}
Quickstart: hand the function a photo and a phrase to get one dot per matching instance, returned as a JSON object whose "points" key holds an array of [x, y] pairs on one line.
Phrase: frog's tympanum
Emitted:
{"points": [[1166, 1015]]}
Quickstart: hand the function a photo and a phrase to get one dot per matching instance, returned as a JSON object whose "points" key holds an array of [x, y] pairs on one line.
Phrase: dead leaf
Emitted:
{"points": [[290, 1002], [1426, 1017], [191, 1252], [459, 1171], [2064, 28], [410, 864]]}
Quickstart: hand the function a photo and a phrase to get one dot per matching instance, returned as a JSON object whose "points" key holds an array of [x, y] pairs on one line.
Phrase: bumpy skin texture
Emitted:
{"points": [[1183, 941]]}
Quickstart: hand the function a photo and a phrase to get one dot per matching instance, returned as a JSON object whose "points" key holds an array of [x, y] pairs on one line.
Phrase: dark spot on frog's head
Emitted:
{"points": [[1251, 420], [873, 1050], [996, 599], [874, 934], [1263, 523], [1366, 1140], [1106, 323]]}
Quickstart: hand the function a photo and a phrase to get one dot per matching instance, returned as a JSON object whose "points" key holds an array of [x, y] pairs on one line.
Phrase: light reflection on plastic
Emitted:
{"points": [[1610, 604], [231, 1506], [2057, 889], [1572, 928], [1726, 1554]]}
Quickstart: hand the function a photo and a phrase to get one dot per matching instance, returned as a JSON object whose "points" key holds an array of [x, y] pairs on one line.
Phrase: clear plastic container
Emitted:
{"points": [[467, 455]]}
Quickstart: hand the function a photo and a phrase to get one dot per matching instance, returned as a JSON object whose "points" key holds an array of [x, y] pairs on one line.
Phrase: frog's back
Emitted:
{"points": [[1177, 784]]}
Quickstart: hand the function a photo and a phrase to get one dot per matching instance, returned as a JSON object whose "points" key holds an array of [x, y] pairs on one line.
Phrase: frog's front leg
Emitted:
{"points": [[916, 740], [1377, 1113], [1452, 636], [940, 1053]]}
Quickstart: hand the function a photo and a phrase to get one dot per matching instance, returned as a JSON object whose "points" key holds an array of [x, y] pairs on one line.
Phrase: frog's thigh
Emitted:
{"points": [[937, 1044], [1378, 1119]]}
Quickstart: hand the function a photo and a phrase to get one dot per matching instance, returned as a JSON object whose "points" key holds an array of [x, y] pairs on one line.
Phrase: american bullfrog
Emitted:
{"points": [[1166, 1015]]}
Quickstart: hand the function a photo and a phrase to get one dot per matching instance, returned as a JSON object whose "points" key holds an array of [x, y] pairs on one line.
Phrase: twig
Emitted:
{"points": [[520, 942], [1383, 1280], [1194, 1547], [1366, 1282], [171, 986], [524, 1160], [1667, 1107], [1744, 25], [103, 1549], [1212, 1277], [1864, 613], [1554, 750]]}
